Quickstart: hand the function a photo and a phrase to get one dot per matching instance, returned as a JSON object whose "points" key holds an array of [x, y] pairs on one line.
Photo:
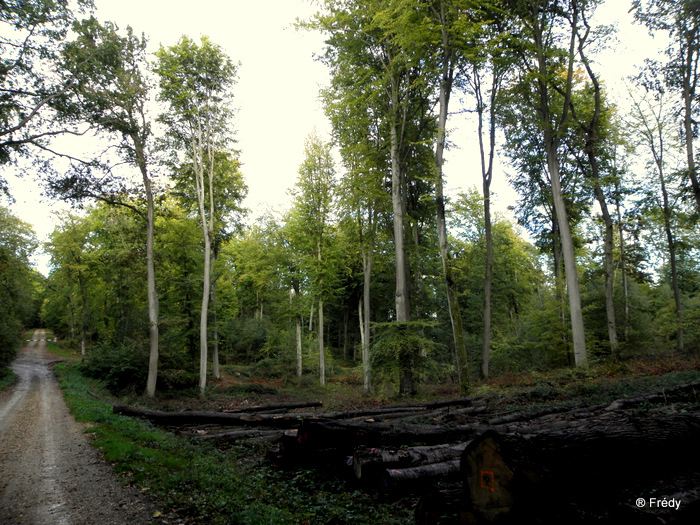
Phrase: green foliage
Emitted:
{"points": [[400, 348], [20, 285], [7, 378], [33, 102], [118, 367]]}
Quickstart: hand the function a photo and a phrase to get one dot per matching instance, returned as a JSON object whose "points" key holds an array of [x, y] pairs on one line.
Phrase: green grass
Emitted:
{"points": [[58, 349], [7, 378], [207, 485]]}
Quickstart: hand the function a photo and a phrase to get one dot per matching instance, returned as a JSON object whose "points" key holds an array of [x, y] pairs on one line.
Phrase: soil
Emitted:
{"points": [[50, 473]]}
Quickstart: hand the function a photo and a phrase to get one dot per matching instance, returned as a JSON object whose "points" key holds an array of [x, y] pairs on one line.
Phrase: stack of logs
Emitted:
{"points": [[468, 465]]}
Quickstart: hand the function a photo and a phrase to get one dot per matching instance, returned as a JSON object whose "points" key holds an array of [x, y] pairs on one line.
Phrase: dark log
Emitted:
{"points": [[529, 416], [372, 412], [507, 475], [406, 416], [240, 435], [370, 463], [195, 417], [318, 433], [275, 407], [664, 396], [410, 479]]}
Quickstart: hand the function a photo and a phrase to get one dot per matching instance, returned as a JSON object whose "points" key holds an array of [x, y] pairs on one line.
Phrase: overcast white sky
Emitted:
{"points": [[279, 81]]}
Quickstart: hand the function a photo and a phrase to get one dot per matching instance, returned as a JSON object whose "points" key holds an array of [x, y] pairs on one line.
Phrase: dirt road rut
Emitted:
{"points": [[49, 474]]}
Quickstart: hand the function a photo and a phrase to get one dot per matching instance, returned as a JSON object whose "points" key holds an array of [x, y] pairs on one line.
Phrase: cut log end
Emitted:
{"points": [[487, 478]]}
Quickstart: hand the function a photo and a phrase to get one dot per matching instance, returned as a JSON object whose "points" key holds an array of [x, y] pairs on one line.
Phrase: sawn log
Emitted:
{"points": [[509, 476]]}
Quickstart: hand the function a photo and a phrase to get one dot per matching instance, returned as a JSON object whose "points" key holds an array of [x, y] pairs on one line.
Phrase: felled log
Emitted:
{"points": [[662, 396], [373, 412], [318, 433], [410, 479], [275, 407], [369, 464], [509, 475], [196, 417], [529, 416], [234, 436]]}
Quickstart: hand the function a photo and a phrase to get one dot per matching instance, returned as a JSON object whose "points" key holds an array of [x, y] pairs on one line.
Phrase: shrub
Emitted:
{"points": [[120, 367]]}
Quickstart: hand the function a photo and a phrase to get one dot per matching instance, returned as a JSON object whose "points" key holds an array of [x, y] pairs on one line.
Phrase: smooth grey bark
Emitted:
{"points": [[398, 200], [365, 312], [551, 136], [152, 292]]}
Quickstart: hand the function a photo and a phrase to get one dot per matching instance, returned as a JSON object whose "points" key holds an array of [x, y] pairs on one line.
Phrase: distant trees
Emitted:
{"points": [[20, 284], [308, 226]]}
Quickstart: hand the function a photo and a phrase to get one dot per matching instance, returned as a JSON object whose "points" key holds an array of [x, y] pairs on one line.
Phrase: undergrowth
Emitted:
{"points": [[206, 485], [7, 378]]}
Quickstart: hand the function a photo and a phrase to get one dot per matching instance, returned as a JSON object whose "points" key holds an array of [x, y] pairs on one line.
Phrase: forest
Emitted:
{"points": [[162, 280]]}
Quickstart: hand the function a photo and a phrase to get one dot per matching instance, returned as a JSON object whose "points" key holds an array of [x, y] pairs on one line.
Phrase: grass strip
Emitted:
{"points": [[206, 485], [7, 378]]}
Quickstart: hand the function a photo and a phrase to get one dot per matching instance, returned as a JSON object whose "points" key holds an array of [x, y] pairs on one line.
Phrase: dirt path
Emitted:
{"points": [[49, 474]]}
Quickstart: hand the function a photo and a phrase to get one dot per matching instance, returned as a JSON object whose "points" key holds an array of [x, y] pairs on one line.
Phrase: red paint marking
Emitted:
{"points": [[487, 480]]}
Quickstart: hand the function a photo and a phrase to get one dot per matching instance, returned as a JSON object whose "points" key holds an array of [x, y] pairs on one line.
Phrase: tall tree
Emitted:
{"points": [[547, 47], [655, 133], [357, 122], [195, 84], [594, 123], [228, 192], [364, 45], [311, 217], [681, 20], [113, 95], [485, 67]]}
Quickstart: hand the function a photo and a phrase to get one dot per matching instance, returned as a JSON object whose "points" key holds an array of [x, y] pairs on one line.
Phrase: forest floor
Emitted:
{"points": [[239, 388], [56, 477]]}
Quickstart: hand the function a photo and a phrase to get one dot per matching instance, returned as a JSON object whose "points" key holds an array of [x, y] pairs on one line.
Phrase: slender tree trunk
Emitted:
{"points": [[150, 269], [203, 333], [592, 140], [672, 257], [321, 351], [299, 348], [152, 291], [570, 271], [551, 142], [688, 99], [445, 255], [215, 331], [367, 259], [487, 177], [207, 227], [488, 280], [83, 314], [609, 265], [293, 298], [623, 270], [403, 309]]}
